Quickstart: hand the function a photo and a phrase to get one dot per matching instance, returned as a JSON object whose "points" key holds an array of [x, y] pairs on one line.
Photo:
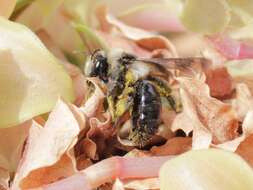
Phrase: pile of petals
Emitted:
{"points": [[74, 145]]}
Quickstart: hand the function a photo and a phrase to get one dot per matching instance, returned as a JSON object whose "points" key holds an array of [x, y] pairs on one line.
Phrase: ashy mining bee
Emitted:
{"points": [[138, 87], [132, 86]]}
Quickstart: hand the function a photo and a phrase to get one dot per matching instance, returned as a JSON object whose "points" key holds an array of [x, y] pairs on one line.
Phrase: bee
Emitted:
{"points": [[137, 86]]}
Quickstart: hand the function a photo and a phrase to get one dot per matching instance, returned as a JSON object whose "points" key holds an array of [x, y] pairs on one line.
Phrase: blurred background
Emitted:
{"points": [[192, 26]]}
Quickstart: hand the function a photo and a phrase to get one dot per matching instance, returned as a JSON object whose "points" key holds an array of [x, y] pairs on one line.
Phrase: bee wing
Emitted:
{"points": [[192, 63]]}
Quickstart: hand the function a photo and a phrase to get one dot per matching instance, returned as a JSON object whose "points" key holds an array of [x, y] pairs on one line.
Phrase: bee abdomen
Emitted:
{"points": [[146, 110]]}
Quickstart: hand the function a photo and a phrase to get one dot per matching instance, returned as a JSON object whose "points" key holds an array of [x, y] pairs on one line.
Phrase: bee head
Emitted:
{"points": [[97, 65]]}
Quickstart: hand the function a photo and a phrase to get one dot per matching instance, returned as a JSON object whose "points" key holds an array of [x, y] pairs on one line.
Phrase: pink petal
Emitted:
{"points": [[226, 46], [246, 51], [158, 20], [144, 167], [230, 48], [110, 169], [75, 182]]}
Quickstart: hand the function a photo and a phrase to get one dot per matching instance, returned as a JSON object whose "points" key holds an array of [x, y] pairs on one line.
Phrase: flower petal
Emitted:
{"points": [[174, 146], [163, 17], [92, 104], [48, 150], [7, 7], [144, 184], [215, 115], [206, 16]]}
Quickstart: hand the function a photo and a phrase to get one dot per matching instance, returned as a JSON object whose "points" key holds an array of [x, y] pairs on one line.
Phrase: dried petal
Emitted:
{"points": [[12, 141], [48, 150], [167, 117], [83, 162], [202, 137], [247, 130], [215, 115], [182, 121], [92, 104], [245, 150], [92, 144], [219, 82], [173, 146], [243, 101]]}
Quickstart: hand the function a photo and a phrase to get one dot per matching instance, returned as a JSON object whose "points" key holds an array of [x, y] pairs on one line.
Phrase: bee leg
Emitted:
{"points": [[124, 115], [164, 91]]}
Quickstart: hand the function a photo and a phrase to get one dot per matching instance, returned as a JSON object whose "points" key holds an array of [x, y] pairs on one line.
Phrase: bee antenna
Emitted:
{"points": [[85, 52]]}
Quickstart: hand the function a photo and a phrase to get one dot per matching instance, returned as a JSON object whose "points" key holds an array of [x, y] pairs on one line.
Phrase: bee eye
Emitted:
{"points": [[99, 65]]}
